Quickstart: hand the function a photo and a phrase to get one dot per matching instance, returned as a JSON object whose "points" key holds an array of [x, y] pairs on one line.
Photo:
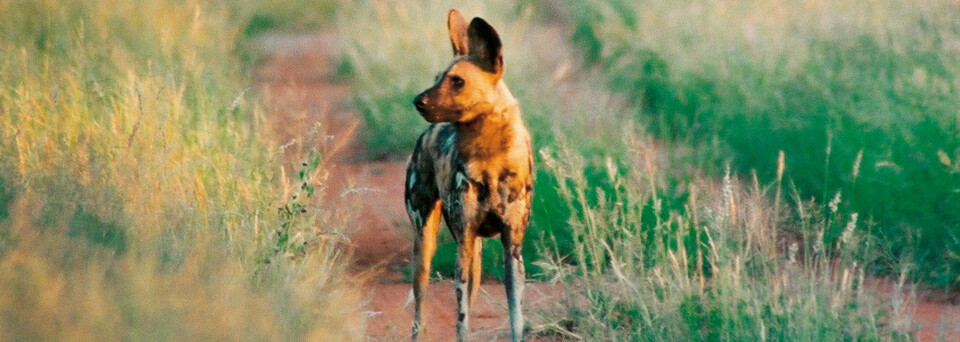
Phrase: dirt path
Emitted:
{"points": [[298, 79]]}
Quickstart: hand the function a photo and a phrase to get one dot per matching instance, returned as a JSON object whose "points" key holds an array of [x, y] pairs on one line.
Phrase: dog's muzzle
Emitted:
{"points": [[419, 104]]}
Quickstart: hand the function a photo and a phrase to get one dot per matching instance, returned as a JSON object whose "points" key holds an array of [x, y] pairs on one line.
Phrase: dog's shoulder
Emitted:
{"points": [[437, 140], [433, 160]]}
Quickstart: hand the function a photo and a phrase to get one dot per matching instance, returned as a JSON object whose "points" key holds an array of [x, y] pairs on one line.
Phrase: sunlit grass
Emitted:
{"points": [[412, 45], [832, 84], [388, 69], [697, 260], [144, 190], [657, 242]]}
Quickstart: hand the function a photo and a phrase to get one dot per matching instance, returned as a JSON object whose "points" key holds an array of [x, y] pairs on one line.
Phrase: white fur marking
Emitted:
{"points": [[448, 142], [459, 179], [464, 297], [410, 299]]}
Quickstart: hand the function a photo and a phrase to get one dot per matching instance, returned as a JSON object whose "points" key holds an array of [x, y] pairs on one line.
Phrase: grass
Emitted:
{"points": [[291, 15], [659, 239], [411, 49], [262, 17], [662, 260], [140, 193], [836, 86], [413, 45], [140, 197]]}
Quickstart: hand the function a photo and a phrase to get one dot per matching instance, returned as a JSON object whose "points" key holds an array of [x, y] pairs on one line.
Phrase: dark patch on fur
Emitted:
{"points": [[460, 168], [492, 225], [446, 218], [444, 133], [483, 190], [506, 174], [420, 195], [416, 147]]}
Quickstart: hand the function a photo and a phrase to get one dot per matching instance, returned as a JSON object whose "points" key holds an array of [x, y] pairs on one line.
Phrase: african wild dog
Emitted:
{"points": [[474, 167]]}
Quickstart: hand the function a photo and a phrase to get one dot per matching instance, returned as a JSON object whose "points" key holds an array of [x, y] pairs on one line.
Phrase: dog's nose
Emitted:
{"points": [[418, 103]]}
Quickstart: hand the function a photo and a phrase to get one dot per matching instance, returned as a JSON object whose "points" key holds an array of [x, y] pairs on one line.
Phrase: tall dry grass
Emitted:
{"points": [[662, 259], [389, 68], [412, 45], [652, 248], [828, 82], [145, 200]]}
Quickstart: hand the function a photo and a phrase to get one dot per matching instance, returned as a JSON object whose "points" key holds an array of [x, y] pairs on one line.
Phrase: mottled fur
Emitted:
{"points": [[473, 166]]}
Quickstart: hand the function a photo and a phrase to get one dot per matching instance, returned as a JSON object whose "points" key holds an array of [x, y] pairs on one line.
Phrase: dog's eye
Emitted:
{"points": [[456, 82]]}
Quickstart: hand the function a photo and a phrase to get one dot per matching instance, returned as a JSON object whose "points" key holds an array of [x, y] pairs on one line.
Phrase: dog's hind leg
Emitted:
{"points": [[425, 244], [476, 269]]}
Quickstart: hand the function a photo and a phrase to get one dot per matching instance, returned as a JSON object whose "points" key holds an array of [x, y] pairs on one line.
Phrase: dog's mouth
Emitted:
{"points": [[433, 116], [432, 113], [430, 118], [428, 114]]}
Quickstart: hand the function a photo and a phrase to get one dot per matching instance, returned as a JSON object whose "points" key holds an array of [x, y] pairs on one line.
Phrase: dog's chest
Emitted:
{"points": [[479, 173], [494, 181]]}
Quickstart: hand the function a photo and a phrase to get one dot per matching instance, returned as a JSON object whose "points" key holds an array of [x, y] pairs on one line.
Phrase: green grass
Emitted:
{"points": [[260, 17], [836, 86], [139, 190], [657, 243], [388, 69], [664, 260], [141, 199]]}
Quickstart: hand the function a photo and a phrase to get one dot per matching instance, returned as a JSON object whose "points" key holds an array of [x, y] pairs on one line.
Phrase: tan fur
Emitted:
{"points": [[474, 167]]}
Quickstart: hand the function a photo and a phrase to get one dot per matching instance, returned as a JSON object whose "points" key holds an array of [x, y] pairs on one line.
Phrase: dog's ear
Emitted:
{"points": [[458, 33], [485, 46]]}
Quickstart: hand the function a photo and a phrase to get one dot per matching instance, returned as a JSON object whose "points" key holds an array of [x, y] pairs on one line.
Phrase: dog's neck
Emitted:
{"points": [[492, 132]]}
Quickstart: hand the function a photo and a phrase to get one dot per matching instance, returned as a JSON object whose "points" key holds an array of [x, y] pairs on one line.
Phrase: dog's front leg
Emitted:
{"points": [[514, 278], [425, 244], [462, 213], [517, 216], [465, 255]]}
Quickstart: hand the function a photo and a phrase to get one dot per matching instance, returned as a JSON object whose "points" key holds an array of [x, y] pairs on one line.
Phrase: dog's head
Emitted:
{"points": [[468, 86]]}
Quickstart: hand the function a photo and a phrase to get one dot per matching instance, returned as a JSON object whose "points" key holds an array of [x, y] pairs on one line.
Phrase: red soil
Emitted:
{"points": [[298, 80], [935, 315]]}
